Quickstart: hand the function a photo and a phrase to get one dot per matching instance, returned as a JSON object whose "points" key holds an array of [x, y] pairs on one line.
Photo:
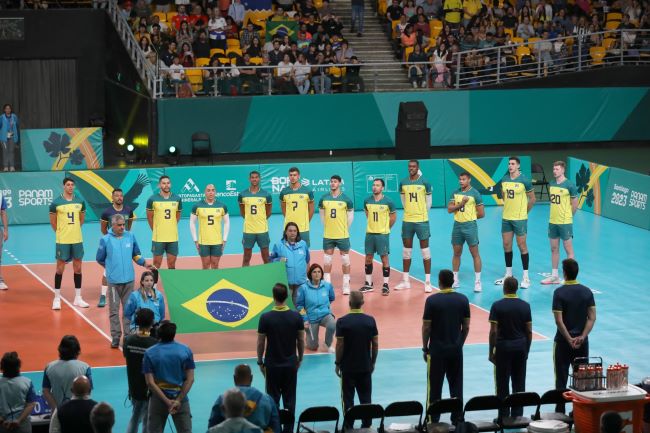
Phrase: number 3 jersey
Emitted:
{"points": [[466, 213], [561, 195], [335, 210], [515, 198], [415, 194], [165, 226], [210, 216], [68, 224], [255, 221]]}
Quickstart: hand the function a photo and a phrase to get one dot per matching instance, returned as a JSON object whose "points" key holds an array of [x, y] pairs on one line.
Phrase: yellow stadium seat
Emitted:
{"points": [[232, 43], [608, 43], [382, 7], [532, 41], [161, 15], [510, 32], [436, 27], [224, 60], [612, 25], [337, 72], [257, 60], [407, 52], [195, 78], [517, 40], [318, 4], [597, 55], [202, 61], [614, 16], [171, 15], [521, 52], [394, 25], [237, 51], [214, 51]]}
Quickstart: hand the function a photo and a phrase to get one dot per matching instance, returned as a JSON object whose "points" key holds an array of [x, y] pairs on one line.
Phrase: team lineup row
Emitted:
{"points": [[336, 212]]}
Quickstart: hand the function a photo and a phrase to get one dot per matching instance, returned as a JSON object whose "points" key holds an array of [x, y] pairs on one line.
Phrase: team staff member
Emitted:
{"points": [[467, 206], [280, 348], [574, 309], [518, 200], [415, 193], [294, 252], [117, 207], [511, 332], [445, 325], [210, 214], [357, 347], [337, 214], [381, 216], [4, 234], [67, 214], [564, 203], [297, 204], [163, 214], [255, 207]]}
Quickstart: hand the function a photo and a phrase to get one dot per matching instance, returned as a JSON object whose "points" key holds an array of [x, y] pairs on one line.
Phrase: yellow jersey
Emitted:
{"points": [[68, 223], [561, 195], [210, 217], [415, 194], [336, 215], [515, 197], [297, 206], [165, 224], [467, 212], [255, 218], [378, 214]]}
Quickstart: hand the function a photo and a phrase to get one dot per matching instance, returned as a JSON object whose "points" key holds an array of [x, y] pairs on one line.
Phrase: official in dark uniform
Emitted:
{"points": [[574, 309], [280, 348], [357, 346], [445, 325], [511, 332]]}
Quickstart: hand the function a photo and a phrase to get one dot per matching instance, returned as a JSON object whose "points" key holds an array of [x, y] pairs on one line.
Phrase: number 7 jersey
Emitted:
{"points": [[68, 224], [165, 225], [255, 221]]}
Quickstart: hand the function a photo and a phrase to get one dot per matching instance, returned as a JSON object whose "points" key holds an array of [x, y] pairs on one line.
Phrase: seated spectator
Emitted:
{"points": [[352, 81], [185, 35], [146, 48], [276, 54], [17, 395], [403, 22], [234, 404], [168, 54], [311, 53], [285, 5], [211, 77], [500, 36], [301, 71], [102, 418], [419, 11], [126, 10], [217, 29], [232, 30], [248, 76], [543, 50], [320, 79], [285, 43], [611, 422], [293, 52], [304, 38], [510, 20], [280, 14], [180, 17], [525, 29], [325, 10], [543, 11], [142, 9], [394, 12], [201, 46], [142, 33], [74, 415], [417, 73], [453, 10], [408, 39], [59, 374], [409, 9], [187, 56], [308, 9], [423, 26], [197, 19], [236, 10], [313, 303], [440, 65], [247, 35], [471, 9], [260, 410], [329, 54], [468, 43], [333, 26], [525, 12], [255, 49], [488, 42], [312, 25], [345, 53], [336, 41], [162, 5], [431, 8], [284, 79], [156, 30]]}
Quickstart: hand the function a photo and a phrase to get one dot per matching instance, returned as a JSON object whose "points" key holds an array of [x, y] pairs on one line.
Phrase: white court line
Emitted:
{"points": [[93, 261]]}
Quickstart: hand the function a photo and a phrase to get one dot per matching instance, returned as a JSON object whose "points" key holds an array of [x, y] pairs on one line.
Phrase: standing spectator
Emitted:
{"points": [[217, 29], [73, 416], [146, 297], [4, 234], [116, 251], [357, 347], [445, 325], [511, 332], [280, 348], [237, 10], [294, 252], [59, 374], [314, 299], [234, 405], [170, 363], [16, 396], [357, 16], [263, 411], [574, 309], [135, 346], [102, 418], [452, 10], [9, 137]]}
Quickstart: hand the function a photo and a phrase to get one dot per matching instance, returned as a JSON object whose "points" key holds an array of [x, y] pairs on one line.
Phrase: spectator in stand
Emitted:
{"points": [[168, 55], [325, 10], [185, 35], [142, 33], [333, 26], [232, 30], [423, 26], [544, 11], [408, 39], [313, 303], [403, 22], [102, 418], [284, 78], [59, 374], [197, 18], [9, 137], [142, 9], [146, 47], [525, 29], [440, 68], [211, 77], [16, 395], [409, 9], [74, 415], [247, 36], [201, 46], [634, 12], [304, 38], [471, 9], [234, 406], [417, 73], [180, 17], [413, 19], [217, 30], [255, 49], [345, 53], [453, 10], [162, 5], [147, 297], [308, 9], [312, 26], [248, 76], [431, 8], [126, 10], [187, 56], [237, 11], [311, 54], [352, 81], [276, 55], [301, 71], [488, 42], [543, 49], [157, 30], [321, 82], [293, 52]]}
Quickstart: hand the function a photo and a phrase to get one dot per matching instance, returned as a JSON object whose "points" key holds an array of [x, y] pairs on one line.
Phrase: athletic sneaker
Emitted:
{"points": [[366, 288], [3, 286], [500, 281], [525, 283], [331, 349], [428, 288], [115, 343], [385, 290], [477, 287], [456, 284], [552, 280], [79, 302], [346, 288], [56, 305], [102, 301], [404, 284]]}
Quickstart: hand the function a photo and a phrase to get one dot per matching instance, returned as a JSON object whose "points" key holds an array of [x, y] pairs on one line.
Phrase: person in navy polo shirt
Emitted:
{"points": [[168, 369], [357, 346], [280, 347], [511, 332], [445, 325]]}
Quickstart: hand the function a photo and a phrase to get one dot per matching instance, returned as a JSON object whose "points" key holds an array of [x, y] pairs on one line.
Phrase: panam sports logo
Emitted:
{"points": [[278, 183], [29, 197]]}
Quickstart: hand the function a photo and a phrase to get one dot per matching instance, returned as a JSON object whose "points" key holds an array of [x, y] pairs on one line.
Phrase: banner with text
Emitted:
{"points": [[62, 149], [29, 195], [591, 180], [626, 198]]}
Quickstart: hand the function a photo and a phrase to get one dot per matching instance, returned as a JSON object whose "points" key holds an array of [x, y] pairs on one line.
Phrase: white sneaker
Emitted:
{"points": [[499, 282], [456, 284], [525, 283], [346, 289], [403, 285], [3, 286], [331, 349], [552, 280], [56, 305], [79, 302], [428, 288], [477, 287]]}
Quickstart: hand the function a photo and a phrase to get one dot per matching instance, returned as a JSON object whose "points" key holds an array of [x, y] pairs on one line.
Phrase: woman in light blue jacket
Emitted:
{"points": [[314, 299], [147, 296], [294, 252], [9, 137]]}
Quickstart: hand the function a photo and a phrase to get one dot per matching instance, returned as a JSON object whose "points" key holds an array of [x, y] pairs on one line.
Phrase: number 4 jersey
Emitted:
{"points": [[68, 224], [515, 198], [561, 195], [165, 225], [255, 221]]}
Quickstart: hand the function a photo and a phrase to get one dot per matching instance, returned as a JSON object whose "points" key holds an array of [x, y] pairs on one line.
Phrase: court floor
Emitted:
{"points": [[614, 260]]}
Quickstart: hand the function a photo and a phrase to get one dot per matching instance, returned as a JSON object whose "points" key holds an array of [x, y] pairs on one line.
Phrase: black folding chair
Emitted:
{"points": [[444, 405], [484, 403], [404, 408], [518, 399], [539, 179], [363, 412], [201, 146], [555, 397], [318, 414], [286, 420]]}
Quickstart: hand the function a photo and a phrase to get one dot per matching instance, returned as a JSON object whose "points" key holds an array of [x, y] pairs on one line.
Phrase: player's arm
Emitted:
{"points": [[82, 217], [193, 220], [178, 213], [261, 345], [310, 207], [464, 329], [321, 212], [283, 206], [591, 320], [5, 223], [426, 333], [269, 210], [402, 198], [574, 205], [226, 227], [350, 217], [531, 199], [103, 226], [150, 218], [429, 200], [339, 354], [129, 221], [242, 210], [53, 220], [529, 335], [480, 211], [392, 218], [561, 327], [493, 340]]}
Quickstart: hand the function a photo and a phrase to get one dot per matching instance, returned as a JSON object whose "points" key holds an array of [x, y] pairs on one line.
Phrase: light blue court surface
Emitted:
{"points": [[614, 260]]}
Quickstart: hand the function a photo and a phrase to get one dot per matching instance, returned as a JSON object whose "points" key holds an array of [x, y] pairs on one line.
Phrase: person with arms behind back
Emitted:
{"points": [[17, 396]]}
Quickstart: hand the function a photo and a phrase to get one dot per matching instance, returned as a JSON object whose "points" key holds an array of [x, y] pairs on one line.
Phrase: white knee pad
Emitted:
{"points": [[327, 259], [426, 253], [406, 253], [345, 259]]}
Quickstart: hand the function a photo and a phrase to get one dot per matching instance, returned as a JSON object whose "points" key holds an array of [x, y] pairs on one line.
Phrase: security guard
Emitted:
{"points": [[511, 332]]}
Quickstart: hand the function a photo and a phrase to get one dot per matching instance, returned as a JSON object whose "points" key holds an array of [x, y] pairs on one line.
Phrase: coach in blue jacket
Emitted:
{"points": [[294, 252], [116, 251]]}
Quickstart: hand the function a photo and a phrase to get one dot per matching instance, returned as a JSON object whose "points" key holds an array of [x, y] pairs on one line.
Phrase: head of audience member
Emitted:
{"points": [[81, 387], [166, 331], [356, 300], [102, 418], [69, 348], [291, 233], [510, 286], [243, 375], [570, 269], [10, 365], [280, 293], [118, 224], [315, 274], [611, 422], [234, 403], [445, 279], [144, 319]]}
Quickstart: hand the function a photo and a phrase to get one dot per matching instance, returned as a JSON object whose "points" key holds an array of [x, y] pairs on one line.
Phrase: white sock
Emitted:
{"points": [[369, 279], [405, 277], [508, 272], [57, 293], [554, 273], [386, 280], [346, 278], [327, 277], [477, 276], [526, 275], [104, 290], [427, 278], [77, 293], [455, 276]]}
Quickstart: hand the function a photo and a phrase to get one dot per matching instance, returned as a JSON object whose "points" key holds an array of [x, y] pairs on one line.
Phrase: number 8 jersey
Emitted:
{"points": [[515, 198], [68, 225], [165, 225]]}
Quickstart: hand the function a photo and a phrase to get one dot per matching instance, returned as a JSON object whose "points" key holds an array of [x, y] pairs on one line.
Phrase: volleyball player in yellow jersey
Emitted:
{"points": [[255, 207], [337, 214], [67, 214], [297, 204], [163, 214], [518, 200], [415, 193], [211, 240], [564, 203]]}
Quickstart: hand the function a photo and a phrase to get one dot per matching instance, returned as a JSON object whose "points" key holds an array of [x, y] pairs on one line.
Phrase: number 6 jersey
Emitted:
{"points": [[255, 221], [68, 225]]}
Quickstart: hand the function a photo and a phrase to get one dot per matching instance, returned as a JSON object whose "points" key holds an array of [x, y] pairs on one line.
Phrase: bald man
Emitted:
{"points": [[211, 240], [74, 415]]}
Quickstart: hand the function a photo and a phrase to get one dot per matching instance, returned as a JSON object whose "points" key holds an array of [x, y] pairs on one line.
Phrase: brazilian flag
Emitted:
{"points": [[281, 29], [220, 300]]}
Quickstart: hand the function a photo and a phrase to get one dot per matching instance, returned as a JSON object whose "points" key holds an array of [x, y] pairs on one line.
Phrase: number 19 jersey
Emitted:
{"points": [[515, 198], [68, 225], [255, 221], [165, 225]]}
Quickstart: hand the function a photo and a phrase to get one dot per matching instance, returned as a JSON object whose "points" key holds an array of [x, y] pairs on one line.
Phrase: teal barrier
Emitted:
{"points": [[591, 180], [29, 195], [61, 149], [626, 198]]}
